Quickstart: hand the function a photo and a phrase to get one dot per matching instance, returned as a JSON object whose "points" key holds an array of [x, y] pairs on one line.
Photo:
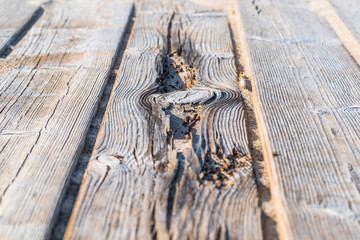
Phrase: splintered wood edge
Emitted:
{"points": [[245, 59], [325, 10]]}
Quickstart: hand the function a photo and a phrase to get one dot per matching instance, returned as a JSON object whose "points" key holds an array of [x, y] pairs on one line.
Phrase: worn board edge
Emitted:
{"points": [[246, 60], [269, 224], [324, 9]]}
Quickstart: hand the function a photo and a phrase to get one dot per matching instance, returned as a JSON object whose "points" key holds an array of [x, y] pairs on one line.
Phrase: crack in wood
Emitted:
{"points": [[181, 96]]}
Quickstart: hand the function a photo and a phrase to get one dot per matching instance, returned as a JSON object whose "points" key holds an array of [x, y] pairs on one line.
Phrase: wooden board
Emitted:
{"points": [[48, 95], [343, 17], [308, 102], [15, 18], [174, 120]]}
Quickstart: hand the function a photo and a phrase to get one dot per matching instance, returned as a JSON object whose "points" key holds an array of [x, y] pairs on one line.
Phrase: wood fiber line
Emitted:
{"points": [[308, 99], [171, 160], [47, 100], [15, 17]]}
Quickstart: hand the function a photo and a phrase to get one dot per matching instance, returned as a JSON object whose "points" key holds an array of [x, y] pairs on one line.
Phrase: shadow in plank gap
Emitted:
{"points": [[268, 212], [7, 48], [67, 204]]}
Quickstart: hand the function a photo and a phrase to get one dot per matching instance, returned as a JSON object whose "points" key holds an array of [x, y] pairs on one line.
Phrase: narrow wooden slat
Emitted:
{"points": [[344, 18], [15, 16], [47, 100], [155, 171], [308, 100]]}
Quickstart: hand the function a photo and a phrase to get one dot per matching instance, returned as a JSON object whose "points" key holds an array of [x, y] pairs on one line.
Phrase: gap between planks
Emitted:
{"points": [[16, 18], [256, 141], [20, 34], [67, 204]]}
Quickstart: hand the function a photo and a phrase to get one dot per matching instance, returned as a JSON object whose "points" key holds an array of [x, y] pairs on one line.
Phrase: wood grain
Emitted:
{"points": [[47, 100], [174, 120], [308, 101], [15, 17]]}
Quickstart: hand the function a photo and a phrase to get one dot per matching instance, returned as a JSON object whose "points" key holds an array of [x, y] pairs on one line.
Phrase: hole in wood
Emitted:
{"points": [[185, 99]]}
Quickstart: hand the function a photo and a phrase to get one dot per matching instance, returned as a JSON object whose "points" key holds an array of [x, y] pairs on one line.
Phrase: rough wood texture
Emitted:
{"points": [[344, 18], [48, 96], [171, 160], [15, 17], [308, 99]]}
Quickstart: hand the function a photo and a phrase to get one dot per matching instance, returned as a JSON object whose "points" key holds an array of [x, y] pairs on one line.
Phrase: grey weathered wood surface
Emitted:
{"points": [[171, 159], [15, 16], [146, 177], [48, 95], [343, 17], [349, 13], [308, 97]]}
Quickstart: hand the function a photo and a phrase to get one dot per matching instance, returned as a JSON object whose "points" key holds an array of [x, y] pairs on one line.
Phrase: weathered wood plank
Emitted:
{"points": [[344, 18], [47, 100], [308, 100], [15, 17], [172, 158]]}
